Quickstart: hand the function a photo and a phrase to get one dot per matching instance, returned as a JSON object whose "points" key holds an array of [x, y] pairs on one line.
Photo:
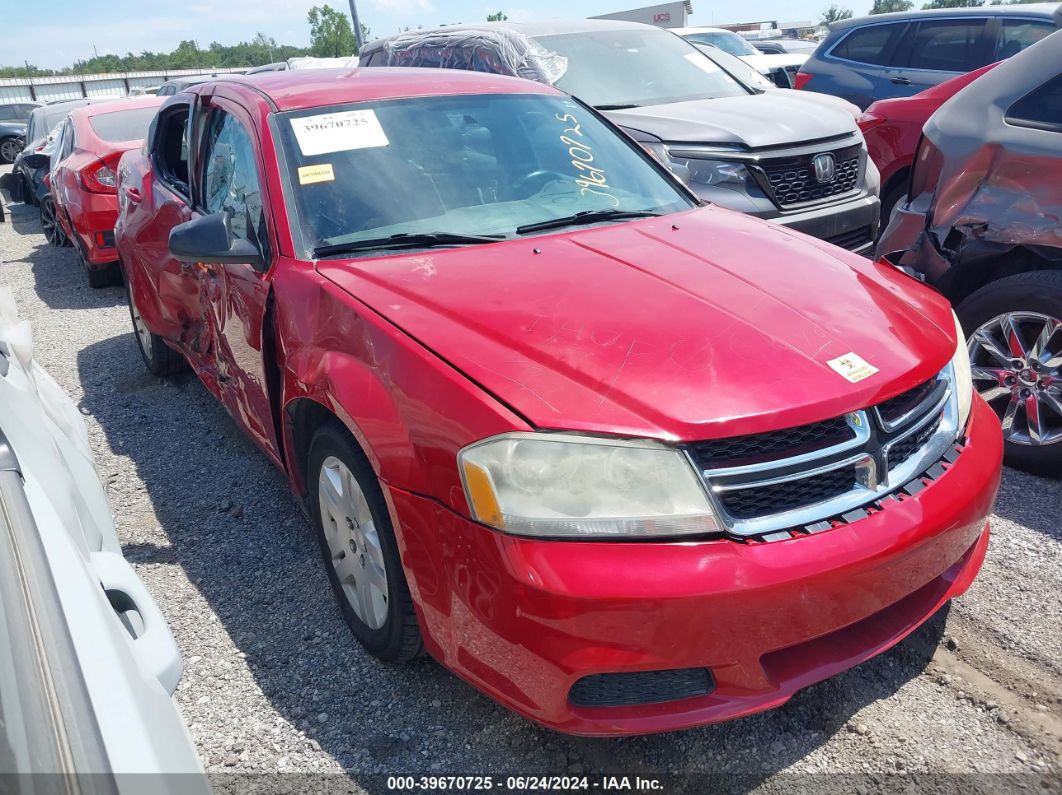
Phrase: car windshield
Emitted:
{"points": [[123, 125], [631, 68], [481, 164], [726, 41]]}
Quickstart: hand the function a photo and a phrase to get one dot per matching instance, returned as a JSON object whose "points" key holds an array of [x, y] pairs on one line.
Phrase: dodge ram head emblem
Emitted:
{"points": [[825, 167]]}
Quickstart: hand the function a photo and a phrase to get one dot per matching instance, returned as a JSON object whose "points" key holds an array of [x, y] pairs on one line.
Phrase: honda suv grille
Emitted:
{"points": [[792, 180]]}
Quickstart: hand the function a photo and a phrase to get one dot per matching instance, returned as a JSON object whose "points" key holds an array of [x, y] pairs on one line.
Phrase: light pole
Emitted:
{"points": [[357, 24]]}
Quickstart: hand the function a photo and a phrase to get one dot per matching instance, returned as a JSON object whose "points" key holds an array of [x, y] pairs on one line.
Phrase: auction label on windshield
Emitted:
{"points": [[311, 174], [853, 367], [338, 132]]}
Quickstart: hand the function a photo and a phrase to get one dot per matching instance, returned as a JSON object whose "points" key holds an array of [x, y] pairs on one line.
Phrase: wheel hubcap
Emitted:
{"points": [[1016, 362], [8, 151], [353, 542]]}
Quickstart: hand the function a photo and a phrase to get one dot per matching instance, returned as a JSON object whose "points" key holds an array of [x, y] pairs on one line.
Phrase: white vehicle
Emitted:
{"points": [[87, 662], [781, 69]]}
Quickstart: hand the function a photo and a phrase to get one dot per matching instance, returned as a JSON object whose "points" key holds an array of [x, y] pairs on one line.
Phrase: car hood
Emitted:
{"points": [[773, 118], [693, 326]]}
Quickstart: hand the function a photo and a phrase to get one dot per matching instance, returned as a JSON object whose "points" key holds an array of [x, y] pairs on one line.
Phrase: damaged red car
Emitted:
{"points": [[83, 179], [595, 447], [981, 224]]}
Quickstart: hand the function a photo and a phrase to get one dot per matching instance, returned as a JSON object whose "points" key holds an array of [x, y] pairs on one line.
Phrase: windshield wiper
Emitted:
{"points": [[585, 217], [618, 106], [405, 240]]}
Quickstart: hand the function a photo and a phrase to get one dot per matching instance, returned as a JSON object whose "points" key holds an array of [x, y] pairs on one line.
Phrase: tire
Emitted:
{"points": [[889, 201], [1029, 302], [50, 226], [9, 149], [159, 358], [358, 545], [107, 276]]}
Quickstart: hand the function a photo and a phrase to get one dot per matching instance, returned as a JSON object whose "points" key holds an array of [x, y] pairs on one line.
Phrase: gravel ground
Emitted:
{"points": [[274, 682]]}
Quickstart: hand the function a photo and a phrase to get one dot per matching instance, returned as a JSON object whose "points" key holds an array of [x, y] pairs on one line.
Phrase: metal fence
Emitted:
{"points": [[46, 89]]}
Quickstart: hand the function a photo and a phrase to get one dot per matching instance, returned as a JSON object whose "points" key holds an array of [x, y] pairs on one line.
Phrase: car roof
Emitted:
{"points": [[684, 31], [298, 89], [128, 103], [1046, 10]]}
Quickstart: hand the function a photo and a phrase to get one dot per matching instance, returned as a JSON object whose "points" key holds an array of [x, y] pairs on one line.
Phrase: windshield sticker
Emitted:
{"points": [[702, 62], [308, 175], [339, 132], [853, 367], [589, 177]]}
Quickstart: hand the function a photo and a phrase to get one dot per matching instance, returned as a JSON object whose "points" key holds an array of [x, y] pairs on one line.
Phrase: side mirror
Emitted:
{"points": [[209, 239], [35, 160]]}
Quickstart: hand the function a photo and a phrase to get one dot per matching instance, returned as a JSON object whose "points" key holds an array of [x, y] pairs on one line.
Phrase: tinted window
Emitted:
{"points": [[7, 112], [123, 125], [1042, 108], [1017, 34], [637, 67], [871, 44], [22, 112], [947, 45], [165, 90], [230, 178], [470, 164]]}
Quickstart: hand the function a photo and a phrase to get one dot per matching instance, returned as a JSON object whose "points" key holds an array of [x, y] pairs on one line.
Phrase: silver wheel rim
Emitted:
{"points": [[143, 336], [48, 223], [1016, 362], [9, 151], [353, 542]]}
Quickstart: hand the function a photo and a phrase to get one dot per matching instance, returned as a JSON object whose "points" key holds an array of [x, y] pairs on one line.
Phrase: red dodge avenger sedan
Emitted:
{"points": [[623, 462]]}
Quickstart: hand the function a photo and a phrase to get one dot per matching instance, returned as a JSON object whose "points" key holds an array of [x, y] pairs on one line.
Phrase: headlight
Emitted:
{"points": [[960, 366], [704, 171], [554, 485]]}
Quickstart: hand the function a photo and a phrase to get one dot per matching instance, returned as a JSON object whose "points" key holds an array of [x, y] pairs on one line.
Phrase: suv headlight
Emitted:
{"points": [[558, 485], [701, 170], [960, 365]]}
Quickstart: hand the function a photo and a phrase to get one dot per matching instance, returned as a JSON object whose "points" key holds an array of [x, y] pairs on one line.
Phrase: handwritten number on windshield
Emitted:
{"points": [[590, 178]]}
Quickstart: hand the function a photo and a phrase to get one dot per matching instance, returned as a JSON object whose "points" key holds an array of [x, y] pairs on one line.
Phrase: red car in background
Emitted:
{"points": [[892, 128], [595, 447], [84, 179]]}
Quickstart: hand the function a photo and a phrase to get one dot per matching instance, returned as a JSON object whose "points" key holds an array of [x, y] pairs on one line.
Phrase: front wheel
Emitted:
{"points": [[359, 548], [1014, 328]]}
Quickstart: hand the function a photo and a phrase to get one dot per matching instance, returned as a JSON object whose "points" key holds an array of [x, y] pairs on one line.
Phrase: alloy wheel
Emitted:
{"points": [[9, 150], [1016, 361], [49, 223], [353, 542]]}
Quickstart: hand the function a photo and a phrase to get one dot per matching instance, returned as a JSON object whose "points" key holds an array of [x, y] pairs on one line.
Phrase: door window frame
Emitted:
{"points": [[160, 126], [888, 52], [905, 47]]}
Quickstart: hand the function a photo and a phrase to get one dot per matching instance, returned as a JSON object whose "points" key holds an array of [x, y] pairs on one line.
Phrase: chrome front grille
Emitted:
{"points": [[767, 484], [792, 179]]}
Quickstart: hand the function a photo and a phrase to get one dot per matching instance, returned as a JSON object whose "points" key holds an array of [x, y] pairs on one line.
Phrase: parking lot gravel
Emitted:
{"points": [[274, 683]]}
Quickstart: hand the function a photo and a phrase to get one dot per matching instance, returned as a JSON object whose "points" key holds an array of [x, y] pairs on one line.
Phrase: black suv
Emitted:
{"points": [[896, 55]]}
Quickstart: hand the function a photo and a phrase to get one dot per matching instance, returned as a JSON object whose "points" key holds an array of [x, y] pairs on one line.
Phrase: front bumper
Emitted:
{"points": [[524, 620]]}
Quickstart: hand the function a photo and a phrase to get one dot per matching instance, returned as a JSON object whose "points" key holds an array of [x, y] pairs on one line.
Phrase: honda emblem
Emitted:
{"points": [[825, 167]]}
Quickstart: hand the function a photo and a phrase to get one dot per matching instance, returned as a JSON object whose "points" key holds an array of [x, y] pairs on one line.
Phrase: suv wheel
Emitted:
{"points": [[359, 548], [1015, 339]]}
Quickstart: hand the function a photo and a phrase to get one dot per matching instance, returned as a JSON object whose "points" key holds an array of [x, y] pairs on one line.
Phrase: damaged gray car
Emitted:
{"points": [[982, 222]]}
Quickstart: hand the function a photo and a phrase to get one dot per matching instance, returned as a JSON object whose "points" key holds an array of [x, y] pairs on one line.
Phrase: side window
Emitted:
{"points": [[170, 150], [1041, 109], [1017, 34], [230, 179], [948, 45], [872, 44], [22, 112], [7, 112]]}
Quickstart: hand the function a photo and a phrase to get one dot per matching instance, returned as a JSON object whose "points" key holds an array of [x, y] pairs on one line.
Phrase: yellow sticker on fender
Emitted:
{"points": [[311, 174], [853, 367]]}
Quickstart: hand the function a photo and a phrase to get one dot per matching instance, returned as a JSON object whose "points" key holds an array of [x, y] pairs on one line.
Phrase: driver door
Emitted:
{"points": [[235, 296]]}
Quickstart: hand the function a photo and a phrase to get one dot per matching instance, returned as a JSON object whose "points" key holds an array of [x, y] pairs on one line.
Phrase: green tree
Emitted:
{"points": [[497, 16], [954, 4], [888, 6], [835, 14], [331, 35]]}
